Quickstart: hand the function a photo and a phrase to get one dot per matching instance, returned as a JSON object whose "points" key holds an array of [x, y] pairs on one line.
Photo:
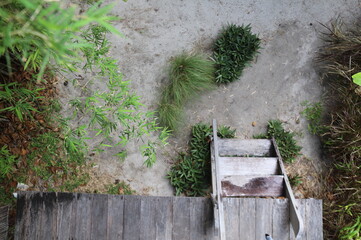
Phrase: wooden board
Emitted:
{"points": [[248, 166], [4, 222], [258, 185], [245, 148], [166, 218]]}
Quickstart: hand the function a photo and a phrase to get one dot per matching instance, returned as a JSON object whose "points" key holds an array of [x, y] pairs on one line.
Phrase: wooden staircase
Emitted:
{"points": [[249, 168]]}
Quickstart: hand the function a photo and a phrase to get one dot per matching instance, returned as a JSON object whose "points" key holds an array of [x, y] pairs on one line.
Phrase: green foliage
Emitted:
{"points": [[19, 100], [352, 232], [356, 78], [313, 113], [120, 188], [191, 175], [226, 132], [35, 33], [287, 145], [189, 75], [234, 49], [7, 162], [295, 180]]}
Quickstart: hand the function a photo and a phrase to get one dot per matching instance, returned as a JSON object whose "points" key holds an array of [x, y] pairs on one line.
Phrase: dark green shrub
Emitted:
{"points": [[287, 145], [189, 75], [235, 47], [192, 174]]}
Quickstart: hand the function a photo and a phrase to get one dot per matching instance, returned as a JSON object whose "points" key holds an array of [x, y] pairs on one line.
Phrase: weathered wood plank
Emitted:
{"points": [[197, 228], [231, 215], [214, 186], [209, 222], [248, 166], [131, 217], [83, 213], [258, 185], [301, 203], [115, 217], [164, 218], [281, 220], [65, 209], [247, 217], [147, 218], [264, 210], [36, 214], [99, 216], [50, 215], [22, 215], [219, 204], [246, 148], [4, 222], [314, 219], [181, 219]]}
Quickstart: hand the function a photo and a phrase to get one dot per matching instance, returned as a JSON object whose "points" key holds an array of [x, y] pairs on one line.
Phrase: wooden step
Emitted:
{"points": [[252, 186], [248, 166], [246, 148]]}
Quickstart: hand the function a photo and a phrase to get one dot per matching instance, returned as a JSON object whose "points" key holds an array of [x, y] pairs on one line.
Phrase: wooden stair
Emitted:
{"points": [[248, 168]]}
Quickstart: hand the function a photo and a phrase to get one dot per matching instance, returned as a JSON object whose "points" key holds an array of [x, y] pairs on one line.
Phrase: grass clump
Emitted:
{"points": [[189, 75], [191, 175], [234, 49], [340, 58], [313, 113], [287, 145]]}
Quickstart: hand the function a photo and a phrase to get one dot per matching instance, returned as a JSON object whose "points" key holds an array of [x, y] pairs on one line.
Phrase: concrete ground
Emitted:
{"points": [[273, 87]]}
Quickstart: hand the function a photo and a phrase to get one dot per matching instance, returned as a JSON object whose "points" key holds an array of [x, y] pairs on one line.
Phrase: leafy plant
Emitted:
{"points": [[313, 113], [234, 49], [295, 180], [191, 175], [189, 75], [226, 132], [7, 161], [120, 188], [33, 33], [287, 145]]}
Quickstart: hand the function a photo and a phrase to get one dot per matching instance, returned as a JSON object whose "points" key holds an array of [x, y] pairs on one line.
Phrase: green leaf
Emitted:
{"points": [[357, 78]]}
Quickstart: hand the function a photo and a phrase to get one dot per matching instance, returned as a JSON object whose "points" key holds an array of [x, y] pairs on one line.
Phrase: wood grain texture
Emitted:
{"points": [[131, 230], [4, 221], [248, 166], [99, 217], [181, 219], [232, 218], [280, 219], [246, 148], [264, 217], [259, 185], [164, 218], [75, 216], [247, 216], [115, 217]]}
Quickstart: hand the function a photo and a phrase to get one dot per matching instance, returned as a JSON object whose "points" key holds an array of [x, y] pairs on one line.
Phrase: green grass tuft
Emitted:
{"points": [[189, 75], [234, 49]]}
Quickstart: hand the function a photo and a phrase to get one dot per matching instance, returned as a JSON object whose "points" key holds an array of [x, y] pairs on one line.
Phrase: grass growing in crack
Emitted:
{"points": [[189, 75], [295, 180], [234, 49], [287, 145], [340, 58], [191, 175]]}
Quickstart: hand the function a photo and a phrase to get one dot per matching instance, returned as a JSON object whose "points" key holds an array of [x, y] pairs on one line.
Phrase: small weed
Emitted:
{"points": [[121, 188], [352, 232], [295, 180], [313, 113], [189, 75], [7, 162], [191, 175], [226, 132], [234, 49]]}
